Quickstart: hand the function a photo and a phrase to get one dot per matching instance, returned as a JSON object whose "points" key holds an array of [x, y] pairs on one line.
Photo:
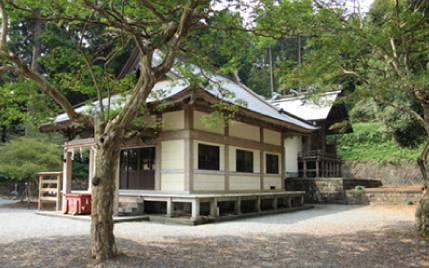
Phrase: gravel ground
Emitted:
{"points": [[329, 235]]}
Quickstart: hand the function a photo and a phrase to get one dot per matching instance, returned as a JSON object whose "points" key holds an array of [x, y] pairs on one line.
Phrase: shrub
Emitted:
{"points": [[360, 188], [409, 202]]}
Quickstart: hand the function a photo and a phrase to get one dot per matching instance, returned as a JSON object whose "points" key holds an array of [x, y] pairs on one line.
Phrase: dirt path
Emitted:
{"points": [[328, 236]]}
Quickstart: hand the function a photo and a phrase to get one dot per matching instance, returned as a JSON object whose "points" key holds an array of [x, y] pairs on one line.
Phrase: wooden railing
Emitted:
{"points": [[315, 153]]}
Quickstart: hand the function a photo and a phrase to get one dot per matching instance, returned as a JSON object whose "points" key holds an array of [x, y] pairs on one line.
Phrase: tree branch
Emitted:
{"points": [[4, 26], [405, 110], [23, 70], [153, 9]]}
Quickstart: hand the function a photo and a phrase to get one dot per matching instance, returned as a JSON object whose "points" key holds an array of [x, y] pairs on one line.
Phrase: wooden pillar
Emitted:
{"points": [[91, 169], [189, 151], [289, 201], [59, 181], [41, 193], [227, 167], [304, 166], [213, 208], [301, 201], [262, 162], [158, 152], [339, 170], [67, 169], [317, 168], [283, 161]]}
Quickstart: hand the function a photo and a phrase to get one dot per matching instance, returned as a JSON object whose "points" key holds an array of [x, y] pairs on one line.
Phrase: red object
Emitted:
{"points": [[78, 204]]}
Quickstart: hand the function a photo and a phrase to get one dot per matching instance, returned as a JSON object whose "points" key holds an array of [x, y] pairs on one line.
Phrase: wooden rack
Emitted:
{"points": [[50, 181]]}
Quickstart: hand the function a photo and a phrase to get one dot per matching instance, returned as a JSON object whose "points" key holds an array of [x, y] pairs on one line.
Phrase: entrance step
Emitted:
{"points": [[131, 205]]}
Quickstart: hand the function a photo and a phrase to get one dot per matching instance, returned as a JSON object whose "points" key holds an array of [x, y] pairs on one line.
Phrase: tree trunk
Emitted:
{"points": [[422, 212], [37, 49], [103, 191]]}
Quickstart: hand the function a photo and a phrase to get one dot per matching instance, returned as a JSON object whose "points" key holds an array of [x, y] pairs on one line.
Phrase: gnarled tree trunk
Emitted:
{"points": [[422, 212], [103, 191]]}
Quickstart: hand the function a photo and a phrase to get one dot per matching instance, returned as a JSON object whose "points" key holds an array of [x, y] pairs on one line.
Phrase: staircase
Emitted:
{"points": [[131, 205]]}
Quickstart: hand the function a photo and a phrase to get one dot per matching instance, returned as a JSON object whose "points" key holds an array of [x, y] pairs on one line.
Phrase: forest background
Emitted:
{"points": [[381, 133]]}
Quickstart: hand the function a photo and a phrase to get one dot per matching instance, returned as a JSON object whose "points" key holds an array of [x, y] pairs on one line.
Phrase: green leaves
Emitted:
{"points": [[23, 157]]}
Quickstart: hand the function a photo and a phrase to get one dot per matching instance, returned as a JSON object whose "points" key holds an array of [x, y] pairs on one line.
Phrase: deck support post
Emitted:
{"points": [[258, 204], [301, 201], [289, 201], [274, 203], [213, 208], [195, 209], [169, 207], [317, 168], [237, 206]]}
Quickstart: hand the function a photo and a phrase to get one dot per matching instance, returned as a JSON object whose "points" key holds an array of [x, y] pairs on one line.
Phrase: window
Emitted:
{"points": [[272, 162], [137, 168], [208, 157], [244, 161]]}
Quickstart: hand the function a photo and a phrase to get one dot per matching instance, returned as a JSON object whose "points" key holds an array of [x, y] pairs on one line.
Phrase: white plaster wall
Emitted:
{"points": [[272, 137], [221, 154], [173, 182], [173, 154], [292, 147], [272, 181], [173, 120], [245, 131], [209, 182], [200, 125], [244, 183], [233, 158]]}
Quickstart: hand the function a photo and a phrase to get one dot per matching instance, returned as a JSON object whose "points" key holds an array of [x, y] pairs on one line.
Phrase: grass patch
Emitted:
{"points": [[370, 142]]}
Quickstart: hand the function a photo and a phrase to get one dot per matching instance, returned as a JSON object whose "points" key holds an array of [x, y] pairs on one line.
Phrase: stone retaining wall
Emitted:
{"points": [[327, 190], [367, 197], [404, 173]]}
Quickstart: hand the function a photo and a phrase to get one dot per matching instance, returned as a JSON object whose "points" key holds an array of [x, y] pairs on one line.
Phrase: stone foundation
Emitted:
{"points": [[383, 196], [327, 190]]}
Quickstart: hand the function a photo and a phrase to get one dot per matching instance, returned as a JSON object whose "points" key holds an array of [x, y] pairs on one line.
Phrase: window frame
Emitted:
{"points": [[210, 163], [269, 164], [244, 167]]}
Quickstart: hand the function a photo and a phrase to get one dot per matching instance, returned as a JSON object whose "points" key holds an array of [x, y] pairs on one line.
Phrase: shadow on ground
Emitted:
{"points": [[392, 246]]}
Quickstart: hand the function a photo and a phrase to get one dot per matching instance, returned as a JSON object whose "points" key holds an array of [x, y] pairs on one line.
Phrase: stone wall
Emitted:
{"points": [[327, 190], [367, 197], [406, 172]]}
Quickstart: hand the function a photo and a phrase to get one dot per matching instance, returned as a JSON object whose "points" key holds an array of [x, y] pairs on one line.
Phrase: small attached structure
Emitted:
{"points": [[187, 166], [315, 157]]}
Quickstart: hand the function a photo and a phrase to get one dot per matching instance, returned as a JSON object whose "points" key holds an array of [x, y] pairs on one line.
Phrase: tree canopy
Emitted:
{"points": [[97, 33]]}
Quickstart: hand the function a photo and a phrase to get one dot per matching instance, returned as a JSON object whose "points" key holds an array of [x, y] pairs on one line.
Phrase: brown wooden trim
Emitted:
{"points": [[227, 172], [174, 135], [219, 139], [262, 168], [188, 165], [158, 167], [283, 161], [189, 118], [232, 141]]}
